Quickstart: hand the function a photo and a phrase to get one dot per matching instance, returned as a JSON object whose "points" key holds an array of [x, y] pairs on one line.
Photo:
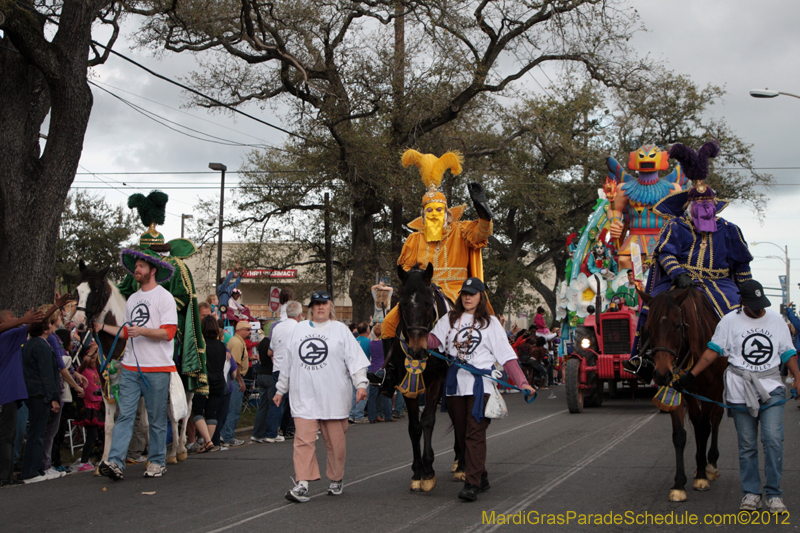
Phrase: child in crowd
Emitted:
{"points": [[90, 414]]}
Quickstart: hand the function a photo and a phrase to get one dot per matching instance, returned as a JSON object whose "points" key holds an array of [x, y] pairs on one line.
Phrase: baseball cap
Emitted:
{"points": [[473, 286], [320, 296], [242, 324], [753, 295]]}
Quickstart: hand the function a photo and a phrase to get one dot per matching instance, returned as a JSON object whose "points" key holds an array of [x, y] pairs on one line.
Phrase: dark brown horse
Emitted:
{"points": [[420, 305], [680, 325]]}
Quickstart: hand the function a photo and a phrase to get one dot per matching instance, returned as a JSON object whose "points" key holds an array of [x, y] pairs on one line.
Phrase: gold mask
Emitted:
{"points": [[435, 214]]}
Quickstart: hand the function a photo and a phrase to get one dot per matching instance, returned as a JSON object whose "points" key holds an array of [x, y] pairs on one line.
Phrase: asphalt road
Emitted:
{"points": [[542, 460]]}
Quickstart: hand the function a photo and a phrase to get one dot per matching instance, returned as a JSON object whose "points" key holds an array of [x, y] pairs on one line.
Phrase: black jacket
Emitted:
{"points": [[40, 370]]}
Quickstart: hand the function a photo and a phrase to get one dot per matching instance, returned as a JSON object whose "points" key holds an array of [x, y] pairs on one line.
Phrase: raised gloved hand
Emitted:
{"points": [[683, 281], [685, 381], [479, 201]]}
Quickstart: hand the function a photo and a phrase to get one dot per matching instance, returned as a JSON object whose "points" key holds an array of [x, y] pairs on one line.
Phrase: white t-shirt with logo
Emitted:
{"points": [[318, 362], [486, 347], [753, 344], [279, 342], [151, 309]]}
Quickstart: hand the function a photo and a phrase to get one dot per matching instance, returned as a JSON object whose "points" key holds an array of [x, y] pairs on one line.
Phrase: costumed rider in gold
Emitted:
{"points": [[453, 246]]}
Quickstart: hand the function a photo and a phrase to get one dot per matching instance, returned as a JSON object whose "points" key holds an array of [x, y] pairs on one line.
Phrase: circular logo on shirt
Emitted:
{"points": [[313, 351], [140, 315], [757, 349], [467, 341]]}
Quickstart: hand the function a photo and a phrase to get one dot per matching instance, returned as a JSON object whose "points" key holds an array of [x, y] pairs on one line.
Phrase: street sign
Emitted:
{"points": [[274, 299], [782, 280]]}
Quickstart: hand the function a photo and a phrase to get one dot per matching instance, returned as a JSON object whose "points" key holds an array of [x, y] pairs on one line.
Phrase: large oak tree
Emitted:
{"points": [[46, 51]]}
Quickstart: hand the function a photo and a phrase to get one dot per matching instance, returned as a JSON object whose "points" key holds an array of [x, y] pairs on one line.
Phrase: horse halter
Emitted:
{"points": [[89, 318], [683, 327]]}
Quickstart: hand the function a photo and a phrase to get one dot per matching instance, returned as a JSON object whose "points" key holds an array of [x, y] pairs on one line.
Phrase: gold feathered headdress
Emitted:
{"points": [[432, 169]]}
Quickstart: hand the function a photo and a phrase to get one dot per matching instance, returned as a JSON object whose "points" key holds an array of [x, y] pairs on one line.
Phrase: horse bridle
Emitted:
{"points": [[683, 326], [103, 302], [424, 329]]}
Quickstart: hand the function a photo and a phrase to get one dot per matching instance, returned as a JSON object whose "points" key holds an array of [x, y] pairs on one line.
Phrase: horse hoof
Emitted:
{"points": [[712, 473], [677, 495], [182, 456], [172, 460], [427, 484], [455, 466], [460, 476], [701, 484], [416, 485]]}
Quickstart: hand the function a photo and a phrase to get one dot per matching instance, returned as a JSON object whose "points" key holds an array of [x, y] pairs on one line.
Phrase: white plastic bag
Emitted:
{"points": [[495, 406], [178, 405]]}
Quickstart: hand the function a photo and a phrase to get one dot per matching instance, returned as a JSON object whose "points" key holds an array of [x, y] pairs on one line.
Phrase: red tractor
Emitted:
{"points": [[599, 346]]}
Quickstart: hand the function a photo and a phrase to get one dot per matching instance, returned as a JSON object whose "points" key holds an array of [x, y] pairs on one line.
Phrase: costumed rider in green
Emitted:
{"points": [[190, 347]]}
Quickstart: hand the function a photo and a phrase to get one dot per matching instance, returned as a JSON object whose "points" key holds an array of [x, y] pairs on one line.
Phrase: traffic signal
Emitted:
{"points": [[783, 309]]}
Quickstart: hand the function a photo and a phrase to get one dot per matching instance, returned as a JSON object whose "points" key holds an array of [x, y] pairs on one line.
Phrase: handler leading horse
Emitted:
{"points": [[680, 325]]}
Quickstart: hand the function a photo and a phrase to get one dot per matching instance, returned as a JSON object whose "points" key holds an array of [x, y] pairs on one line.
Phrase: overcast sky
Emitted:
{"points": [[738, 44]]}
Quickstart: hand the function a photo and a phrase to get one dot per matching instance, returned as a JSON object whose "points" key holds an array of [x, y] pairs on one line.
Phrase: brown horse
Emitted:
{"points": [[680, 325]]}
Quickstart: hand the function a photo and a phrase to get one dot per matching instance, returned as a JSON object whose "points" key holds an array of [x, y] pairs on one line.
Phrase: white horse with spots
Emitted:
{"points": [[99, 300]]}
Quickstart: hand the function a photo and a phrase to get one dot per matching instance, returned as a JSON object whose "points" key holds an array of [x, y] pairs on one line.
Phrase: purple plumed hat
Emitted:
{"points": [[695, 166], [163, 269]]}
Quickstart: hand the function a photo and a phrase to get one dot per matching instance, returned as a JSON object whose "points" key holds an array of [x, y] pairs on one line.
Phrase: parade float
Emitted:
{"points": [[597, 303]]}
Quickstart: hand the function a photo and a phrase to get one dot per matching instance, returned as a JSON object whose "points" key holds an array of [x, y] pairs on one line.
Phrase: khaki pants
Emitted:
{"points": [[305, 457]]}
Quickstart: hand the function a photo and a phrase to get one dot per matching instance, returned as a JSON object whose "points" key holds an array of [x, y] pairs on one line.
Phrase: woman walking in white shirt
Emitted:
{"points": [[323, 359]]}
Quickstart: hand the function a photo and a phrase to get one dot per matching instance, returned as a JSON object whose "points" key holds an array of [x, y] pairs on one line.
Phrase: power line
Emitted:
{"points": [[198, 93], [155, 118], [196, 117]]}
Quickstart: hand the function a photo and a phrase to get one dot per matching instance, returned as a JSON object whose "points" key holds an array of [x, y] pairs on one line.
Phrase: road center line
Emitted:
{"points": [[371, 476], [537, 494]]}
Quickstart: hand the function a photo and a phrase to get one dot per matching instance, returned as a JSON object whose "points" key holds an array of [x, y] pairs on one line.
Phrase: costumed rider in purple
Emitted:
{"points": [[695, 247]]}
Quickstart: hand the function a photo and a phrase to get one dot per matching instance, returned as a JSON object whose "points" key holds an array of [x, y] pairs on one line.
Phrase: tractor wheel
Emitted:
{"points": [[572, 385]]}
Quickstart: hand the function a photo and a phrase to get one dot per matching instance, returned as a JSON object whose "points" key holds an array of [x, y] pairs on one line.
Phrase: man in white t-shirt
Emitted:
{"points": [[755, 340], [281, 335], [146, 363]]}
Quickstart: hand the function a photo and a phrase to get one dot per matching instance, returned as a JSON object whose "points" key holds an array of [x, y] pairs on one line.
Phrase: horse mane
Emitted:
{"points": [[702, 320]]}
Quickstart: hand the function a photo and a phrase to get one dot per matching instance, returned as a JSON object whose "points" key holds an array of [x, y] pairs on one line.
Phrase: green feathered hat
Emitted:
{"points": [[152, 209]]}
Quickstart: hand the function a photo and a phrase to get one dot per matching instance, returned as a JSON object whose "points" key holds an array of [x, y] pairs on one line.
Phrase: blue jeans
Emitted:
{"points": [[275, 412], [399, 403], [22, 424], [378, 404], [156, 398], [33, 460], [771, 439], [357, 412], [265, 385], [234, 411]]}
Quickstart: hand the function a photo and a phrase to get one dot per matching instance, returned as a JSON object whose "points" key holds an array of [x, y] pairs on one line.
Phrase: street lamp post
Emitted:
{"points": [[766, 93], [222, 168], [785, 259], [183, 218]]}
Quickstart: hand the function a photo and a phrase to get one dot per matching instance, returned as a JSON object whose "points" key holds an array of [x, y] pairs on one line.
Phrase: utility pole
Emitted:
{"points": [[328, 260]]}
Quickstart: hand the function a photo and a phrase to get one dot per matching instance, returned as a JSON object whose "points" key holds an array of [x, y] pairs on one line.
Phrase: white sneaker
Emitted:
{"points": [[36, 479], [299, 493], [279, 438], [258, 440], [335, 488], [751, 502], [776, 506], [233, 443], [52, 473], [154, 470]]}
